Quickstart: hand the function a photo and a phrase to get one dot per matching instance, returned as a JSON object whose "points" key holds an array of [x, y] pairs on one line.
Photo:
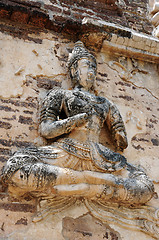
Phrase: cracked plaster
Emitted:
{"points": [[19, 59]]}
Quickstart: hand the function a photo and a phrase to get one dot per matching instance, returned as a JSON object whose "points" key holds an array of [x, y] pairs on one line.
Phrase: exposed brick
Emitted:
{"points": [[3, 159], [11, 143], [53, 8], [5, 14], [47, 83], [61, 19], [109, 10], [17, 207], [18, 103], [5, 125], [128, 98], [7, 109], [86, 227], [28, 112], [20, 17], [25, 120], [78, 16], [5, 151], [38, 21], [67, 12]]}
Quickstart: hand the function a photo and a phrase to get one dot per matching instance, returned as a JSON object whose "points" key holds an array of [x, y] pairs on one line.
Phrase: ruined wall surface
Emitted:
{"points": [[67, 16], [33, 61], [28, 70]]}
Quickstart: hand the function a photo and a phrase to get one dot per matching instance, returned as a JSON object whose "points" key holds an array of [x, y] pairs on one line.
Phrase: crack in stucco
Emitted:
{"points": [[126, 75]]}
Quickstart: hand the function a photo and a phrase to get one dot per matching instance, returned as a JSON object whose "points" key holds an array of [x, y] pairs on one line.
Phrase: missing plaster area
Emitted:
{"points": [[87, 227]]}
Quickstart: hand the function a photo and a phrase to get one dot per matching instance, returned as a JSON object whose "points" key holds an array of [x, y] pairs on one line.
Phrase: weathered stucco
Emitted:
{"points": [[30, 68], [16, 64]]}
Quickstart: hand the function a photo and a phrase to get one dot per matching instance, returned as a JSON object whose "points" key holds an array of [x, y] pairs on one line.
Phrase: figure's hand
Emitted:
{"points": [[121, 140], [51, 129], [80, 118], [83, 117]]}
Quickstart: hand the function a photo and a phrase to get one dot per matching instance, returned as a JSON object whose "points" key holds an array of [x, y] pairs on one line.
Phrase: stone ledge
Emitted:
{"points": [[122, 40], [96, 33], [64, 16], [45, 12]]}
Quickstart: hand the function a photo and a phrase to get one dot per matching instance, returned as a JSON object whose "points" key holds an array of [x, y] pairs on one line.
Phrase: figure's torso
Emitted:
{"points": [[60, 104], [75, 102]]}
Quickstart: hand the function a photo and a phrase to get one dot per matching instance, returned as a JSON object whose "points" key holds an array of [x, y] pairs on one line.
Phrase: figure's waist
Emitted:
{"points": [[85, 133], [75, 147], [102, 157]]}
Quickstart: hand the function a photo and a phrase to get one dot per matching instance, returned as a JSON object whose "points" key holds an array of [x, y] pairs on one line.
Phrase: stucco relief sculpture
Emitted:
{"points": [[76, 165], [154, 15]]}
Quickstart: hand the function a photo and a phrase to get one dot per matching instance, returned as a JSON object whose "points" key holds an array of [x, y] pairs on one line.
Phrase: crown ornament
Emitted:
{"points": [[78, 53]]}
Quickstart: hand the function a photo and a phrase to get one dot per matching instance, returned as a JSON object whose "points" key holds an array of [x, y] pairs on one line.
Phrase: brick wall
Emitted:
{"points": [[66, 16]]}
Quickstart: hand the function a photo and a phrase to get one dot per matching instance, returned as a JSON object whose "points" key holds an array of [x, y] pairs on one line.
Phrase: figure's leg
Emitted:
{"points": [[136, 190], [28, 175], [91, 191], [38, 175], [53, 180]]}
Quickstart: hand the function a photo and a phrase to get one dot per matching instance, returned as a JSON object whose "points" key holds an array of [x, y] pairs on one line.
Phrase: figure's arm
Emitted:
{"points": [[52, 129], [116, 126], [50, 125]]}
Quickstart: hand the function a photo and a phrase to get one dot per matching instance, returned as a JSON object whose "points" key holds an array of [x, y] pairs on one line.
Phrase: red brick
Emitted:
{"points": [[20, 17], [38, 21], [53, 8], [5, 14]]}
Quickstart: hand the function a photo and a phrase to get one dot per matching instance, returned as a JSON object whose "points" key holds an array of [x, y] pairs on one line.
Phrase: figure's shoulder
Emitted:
{"points": [[54, 92], [55, 95]]}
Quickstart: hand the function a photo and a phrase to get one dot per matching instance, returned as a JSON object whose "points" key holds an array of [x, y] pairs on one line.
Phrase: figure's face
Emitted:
{"points": [[86, 73]]}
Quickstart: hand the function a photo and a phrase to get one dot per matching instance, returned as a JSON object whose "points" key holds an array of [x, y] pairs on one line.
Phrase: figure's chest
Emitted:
{"points": [[80, 102]]}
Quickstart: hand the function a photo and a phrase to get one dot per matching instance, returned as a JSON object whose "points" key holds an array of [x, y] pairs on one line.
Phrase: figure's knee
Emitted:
{"points": [[31, 178], [138, 192], [16, 162]]}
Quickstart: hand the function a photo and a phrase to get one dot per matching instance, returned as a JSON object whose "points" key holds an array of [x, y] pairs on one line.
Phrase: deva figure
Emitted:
{"points": [[76, 164]]}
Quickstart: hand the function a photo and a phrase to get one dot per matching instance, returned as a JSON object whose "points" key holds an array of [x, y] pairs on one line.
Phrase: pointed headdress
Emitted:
{"points": [[78, 53]]}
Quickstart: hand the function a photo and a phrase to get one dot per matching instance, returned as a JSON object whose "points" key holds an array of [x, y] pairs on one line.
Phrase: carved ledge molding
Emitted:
{"points": [[121, 40], [92, 30]]}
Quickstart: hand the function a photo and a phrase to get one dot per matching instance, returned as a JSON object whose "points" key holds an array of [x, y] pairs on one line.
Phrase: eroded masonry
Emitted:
{"points": [[79, 120]]}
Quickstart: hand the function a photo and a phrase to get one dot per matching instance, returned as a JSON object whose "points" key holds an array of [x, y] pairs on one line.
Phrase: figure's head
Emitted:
{"points": [[82, 67]]}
